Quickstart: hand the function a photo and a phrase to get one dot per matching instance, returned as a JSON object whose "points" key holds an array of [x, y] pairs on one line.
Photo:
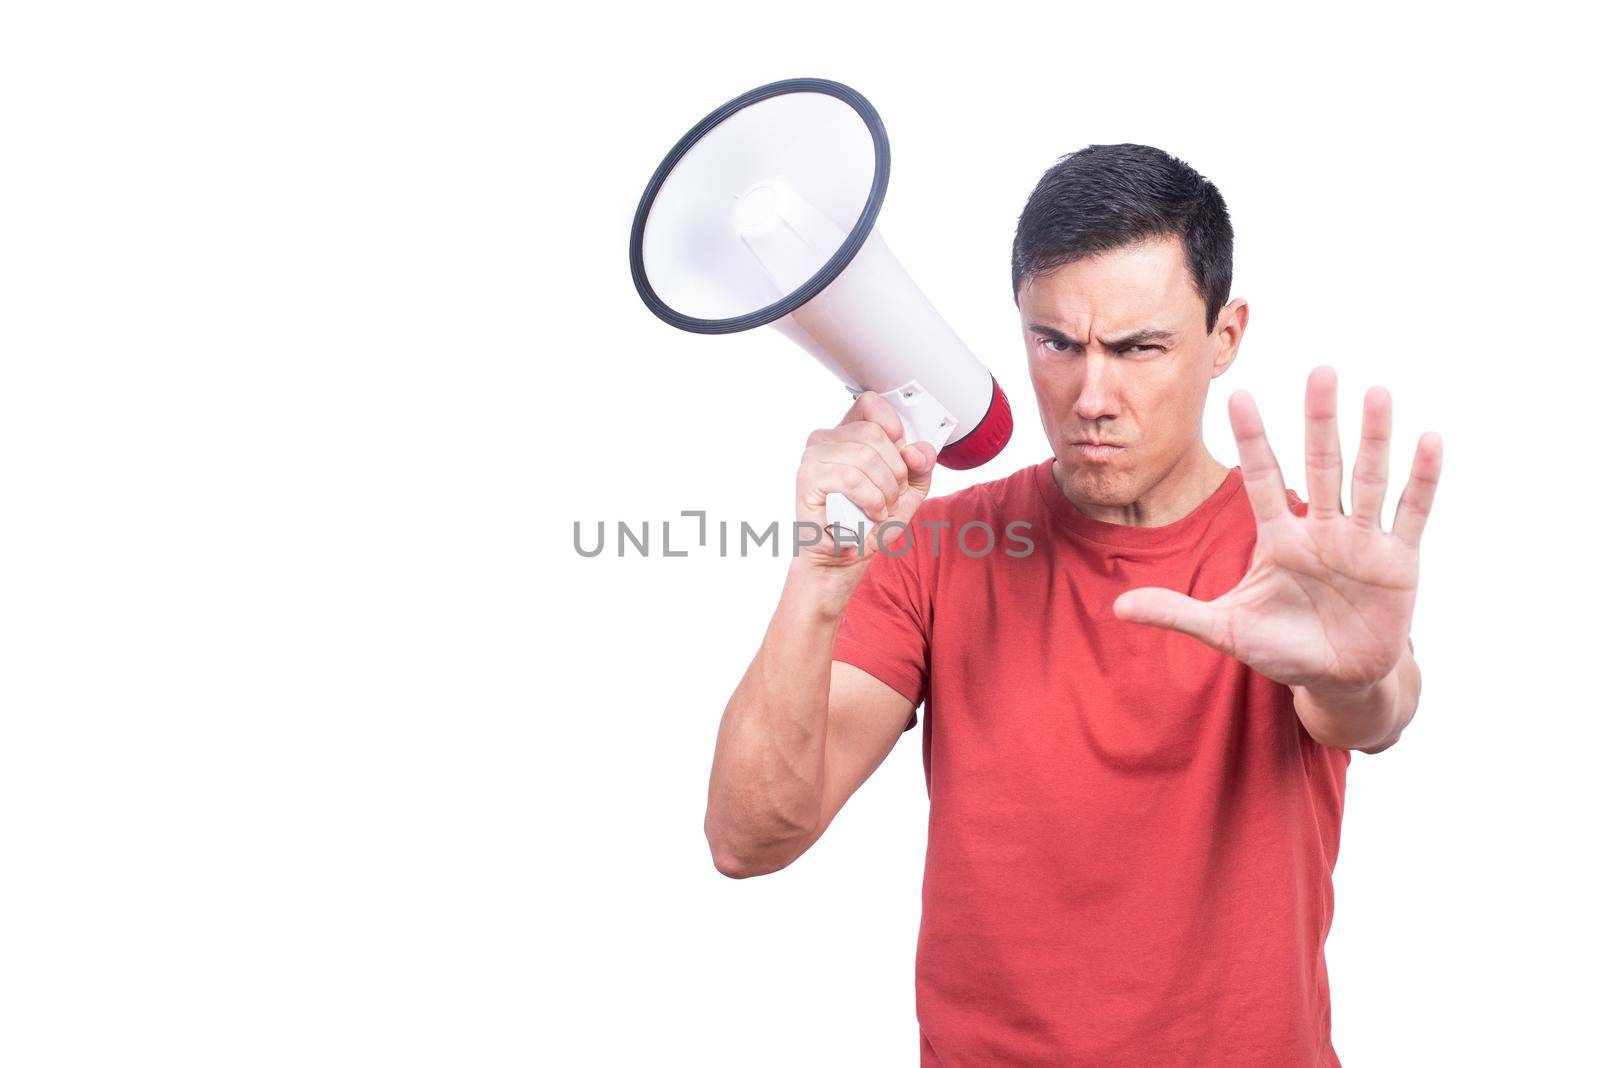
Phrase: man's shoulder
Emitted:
{"points": [[1009, 496]]}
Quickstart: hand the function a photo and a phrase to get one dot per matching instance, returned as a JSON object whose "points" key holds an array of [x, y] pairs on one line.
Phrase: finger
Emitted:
{"points": [[1369, 482], [1417, 501], [865, 458], [1324, 465], [1262, 478], [867, 433], [871, 408], [1171, 610], [826, 478]]}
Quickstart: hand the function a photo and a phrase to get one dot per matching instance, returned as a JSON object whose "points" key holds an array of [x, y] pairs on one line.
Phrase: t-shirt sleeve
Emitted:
{"points": [[884, 632]]}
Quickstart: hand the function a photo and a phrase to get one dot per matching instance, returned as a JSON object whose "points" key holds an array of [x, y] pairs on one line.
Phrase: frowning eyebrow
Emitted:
{"points": [[1053, 334], [1138, 337]]}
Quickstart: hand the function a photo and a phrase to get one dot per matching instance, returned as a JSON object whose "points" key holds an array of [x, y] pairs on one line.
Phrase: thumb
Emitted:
{"points": [[1171, 610], [920, 458]]}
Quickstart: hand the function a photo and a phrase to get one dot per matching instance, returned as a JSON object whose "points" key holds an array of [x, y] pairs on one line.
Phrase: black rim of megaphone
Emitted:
{"points": [[830, 270]]}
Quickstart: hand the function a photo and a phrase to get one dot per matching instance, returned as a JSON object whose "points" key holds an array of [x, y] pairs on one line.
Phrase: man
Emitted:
{"points": [[1138, 724]]}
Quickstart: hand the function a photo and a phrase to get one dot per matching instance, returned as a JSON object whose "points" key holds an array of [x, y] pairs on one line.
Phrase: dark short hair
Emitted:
{"points": [[1108, 196]]}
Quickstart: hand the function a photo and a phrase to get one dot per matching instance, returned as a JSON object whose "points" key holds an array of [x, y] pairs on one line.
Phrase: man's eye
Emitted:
{"points": [[1053, 344], [1148, 348]]}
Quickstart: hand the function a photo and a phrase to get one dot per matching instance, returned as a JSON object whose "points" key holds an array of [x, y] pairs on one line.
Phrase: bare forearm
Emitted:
{"points": [[766, 778], [1370, 719]]}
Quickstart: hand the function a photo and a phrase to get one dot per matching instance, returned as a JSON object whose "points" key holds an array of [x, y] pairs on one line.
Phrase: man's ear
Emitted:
{"points": [[1227, 334]]}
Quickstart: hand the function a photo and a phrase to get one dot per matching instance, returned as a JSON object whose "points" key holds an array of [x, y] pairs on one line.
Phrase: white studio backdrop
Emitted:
{"points": [[322, 745]]}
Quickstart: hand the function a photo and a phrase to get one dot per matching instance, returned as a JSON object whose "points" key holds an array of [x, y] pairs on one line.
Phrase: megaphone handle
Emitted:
{"points": [[922, 418], [842, 512]]}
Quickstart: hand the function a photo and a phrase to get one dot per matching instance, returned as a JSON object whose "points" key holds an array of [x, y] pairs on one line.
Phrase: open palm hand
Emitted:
{"points": [[1327, 599]]}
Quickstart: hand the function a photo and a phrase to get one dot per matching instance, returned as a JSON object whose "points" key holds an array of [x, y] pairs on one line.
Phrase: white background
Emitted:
{"points": [[321, 745]]}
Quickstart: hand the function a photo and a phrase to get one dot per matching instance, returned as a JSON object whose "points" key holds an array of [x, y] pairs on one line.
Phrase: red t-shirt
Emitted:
{"points": [[1130, 837]]}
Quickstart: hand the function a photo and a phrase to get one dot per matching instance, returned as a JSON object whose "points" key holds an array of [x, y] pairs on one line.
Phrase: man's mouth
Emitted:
{"points": [[1095, 450]]}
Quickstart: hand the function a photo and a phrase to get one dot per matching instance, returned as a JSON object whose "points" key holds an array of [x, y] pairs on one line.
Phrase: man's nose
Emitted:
{"points": [[1098, 399]]}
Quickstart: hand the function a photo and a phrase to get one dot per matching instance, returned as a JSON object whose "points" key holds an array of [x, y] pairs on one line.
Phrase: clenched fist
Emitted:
{"points": [[866, 458]]}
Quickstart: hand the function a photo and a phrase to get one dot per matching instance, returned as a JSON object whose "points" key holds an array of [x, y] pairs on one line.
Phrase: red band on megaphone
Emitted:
{"points": [[984, 441]]}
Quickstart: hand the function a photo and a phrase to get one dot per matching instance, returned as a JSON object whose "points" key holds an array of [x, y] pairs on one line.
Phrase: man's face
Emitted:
{"points": [[1121, 361]]}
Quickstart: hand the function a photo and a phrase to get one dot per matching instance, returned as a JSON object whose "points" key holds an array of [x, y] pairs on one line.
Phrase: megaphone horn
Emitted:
{"points": [[764, 214]]}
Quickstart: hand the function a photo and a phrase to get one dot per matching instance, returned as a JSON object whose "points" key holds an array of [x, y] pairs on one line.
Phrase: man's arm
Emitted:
{"points": [[801, 734], [1369, 719]]}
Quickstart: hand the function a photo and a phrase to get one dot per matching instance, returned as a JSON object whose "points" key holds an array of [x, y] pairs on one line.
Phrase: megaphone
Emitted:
{"points": [[763, 214]]}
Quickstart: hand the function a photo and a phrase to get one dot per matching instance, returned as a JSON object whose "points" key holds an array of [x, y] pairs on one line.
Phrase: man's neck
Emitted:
{"points": [[1186, 486]]}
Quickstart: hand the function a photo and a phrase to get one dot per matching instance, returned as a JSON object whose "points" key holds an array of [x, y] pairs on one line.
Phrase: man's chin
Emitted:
{"points": [[1096, 483]]}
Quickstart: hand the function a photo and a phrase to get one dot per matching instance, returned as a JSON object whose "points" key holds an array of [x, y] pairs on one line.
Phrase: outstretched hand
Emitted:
{"points": [[1326, 603]]}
